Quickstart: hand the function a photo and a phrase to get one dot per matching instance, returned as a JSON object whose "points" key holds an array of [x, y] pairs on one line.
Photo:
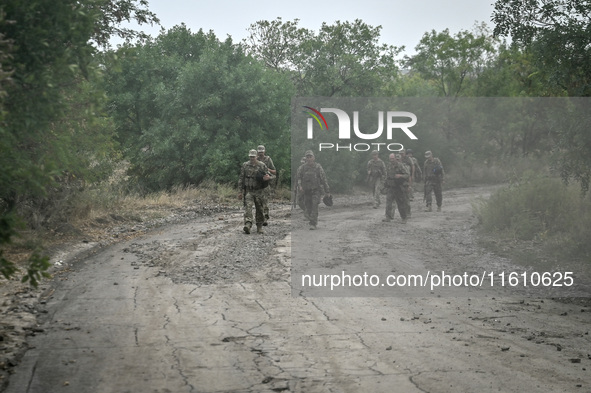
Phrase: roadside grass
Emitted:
{"points": [[539, 219], [89, 214]]}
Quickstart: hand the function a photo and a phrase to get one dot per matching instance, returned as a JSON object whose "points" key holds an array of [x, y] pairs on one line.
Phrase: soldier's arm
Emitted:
{"points": [[267, 172], [404, 172], [324, 181], [241, 178], [271, 167], [442, 170], [241, 182]]}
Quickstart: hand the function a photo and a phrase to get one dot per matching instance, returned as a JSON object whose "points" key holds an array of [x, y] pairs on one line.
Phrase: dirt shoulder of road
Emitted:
{"points": [[21, 304]]}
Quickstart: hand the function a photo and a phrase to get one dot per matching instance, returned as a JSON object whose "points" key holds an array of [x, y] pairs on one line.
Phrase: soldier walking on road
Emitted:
{"points": [[433, 172], [267, 191], [397, 175], [253, 176], [313, 184], [376, 172]]}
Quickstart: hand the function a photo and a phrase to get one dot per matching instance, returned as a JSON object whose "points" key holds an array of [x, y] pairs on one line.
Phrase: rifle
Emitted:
{"points": [[244, 198]]}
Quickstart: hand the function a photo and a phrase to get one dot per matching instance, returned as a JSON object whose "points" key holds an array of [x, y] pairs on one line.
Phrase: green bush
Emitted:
{"points": [[541, 209]]}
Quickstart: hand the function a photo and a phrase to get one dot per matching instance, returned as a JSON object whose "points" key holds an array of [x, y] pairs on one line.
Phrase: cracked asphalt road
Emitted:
{"points": [[201, 307]]}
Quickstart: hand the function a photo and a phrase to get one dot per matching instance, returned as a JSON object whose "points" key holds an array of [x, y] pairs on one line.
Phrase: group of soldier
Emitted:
{"points": [[395, 179]]}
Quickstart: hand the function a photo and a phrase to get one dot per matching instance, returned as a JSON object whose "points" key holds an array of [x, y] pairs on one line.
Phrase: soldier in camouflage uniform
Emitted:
{"points": [[376, 172], [433, 172], [397, 175], [267, 191], [253, 174], [313, 184]]}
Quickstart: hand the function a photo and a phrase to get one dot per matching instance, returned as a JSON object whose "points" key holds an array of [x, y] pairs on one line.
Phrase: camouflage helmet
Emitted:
{"points": [[252, 153]]}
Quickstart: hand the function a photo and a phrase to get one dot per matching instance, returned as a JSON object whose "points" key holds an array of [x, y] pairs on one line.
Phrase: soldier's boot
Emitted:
{"points": [[312, 226], [438, 208], [260, 229], [387, 219], [428, 209], [404, 221], [247, 227]]}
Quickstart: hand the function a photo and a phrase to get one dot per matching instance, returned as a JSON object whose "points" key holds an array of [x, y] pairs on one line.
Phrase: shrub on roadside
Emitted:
{"points": [[542, 209]]}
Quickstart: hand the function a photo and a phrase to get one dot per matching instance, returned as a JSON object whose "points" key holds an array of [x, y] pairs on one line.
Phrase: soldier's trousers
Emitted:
{"points": [[300, 201], [311, 202], [398, 195], [410, 190], [254, 197], [435, 188], [376, 186], [266, 194]]}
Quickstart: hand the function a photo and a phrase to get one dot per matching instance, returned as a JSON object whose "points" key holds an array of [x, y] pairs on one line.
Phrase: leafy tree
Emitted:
{"points": [[49, 114], [189, 107], [557, 33], [279, 45], [510, 73], [449, 61], [344, 59]]}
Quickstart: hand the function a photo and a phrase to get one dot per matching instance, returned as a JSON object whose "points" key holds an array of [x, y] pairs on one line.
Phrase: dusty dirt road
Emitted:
{"points": [[201, 307]]}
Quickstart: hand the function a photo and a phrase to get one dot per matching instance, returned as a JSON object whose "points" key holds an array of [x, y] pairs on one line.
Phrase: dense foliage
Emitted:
{"points": [[189, 107], [51, 126], [557, 35]]}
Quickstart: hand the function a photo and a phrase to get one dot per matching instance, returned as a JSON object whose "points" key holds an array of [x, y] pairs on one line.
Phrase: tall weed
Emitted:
{"points": [[541, 209]]}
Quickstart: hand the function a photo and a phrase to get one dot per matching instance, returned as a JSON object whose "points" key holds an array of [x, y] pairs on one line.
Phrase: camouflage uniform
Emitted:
{"points": [[418, 175], [252, 188], [266, 191], [433, 172], [376, 172], [312, 179], [396, 190], [407, 160], [300, 198]]}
